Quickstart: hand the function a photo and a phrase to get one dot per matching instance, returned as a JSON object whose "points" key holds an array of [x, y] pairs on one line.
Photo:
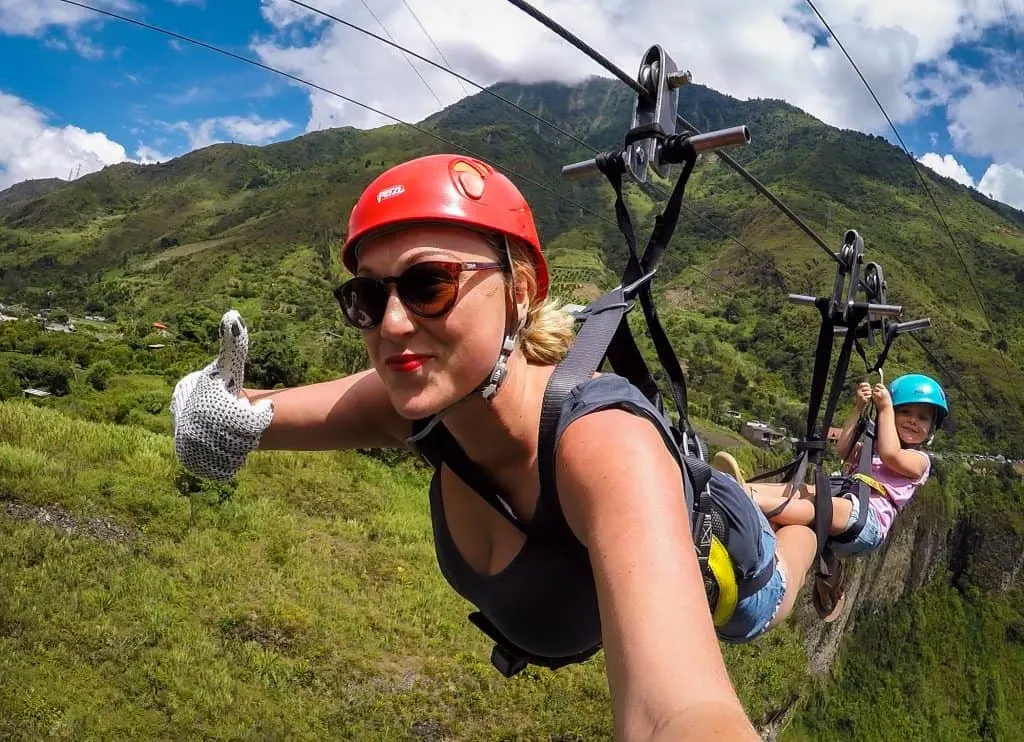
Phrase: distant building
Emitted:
{"points": [[762, 434], [32, 392]]}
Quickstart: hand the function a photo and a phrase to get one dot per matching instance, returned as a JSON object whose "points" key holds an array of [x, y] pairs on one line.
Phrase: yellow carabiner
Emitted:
{"points": [[725, 576]]}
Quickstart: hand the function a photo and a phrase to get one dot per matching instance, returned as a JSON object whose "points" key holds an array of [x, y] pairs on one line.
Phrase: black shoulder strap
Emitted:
{"points": [[439, 447], [603, 322]]}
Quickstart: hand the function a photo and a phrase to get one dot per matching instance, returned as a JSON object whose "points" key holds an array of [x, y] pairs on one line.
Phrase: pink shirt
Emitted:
{"points": [[901, 490]]}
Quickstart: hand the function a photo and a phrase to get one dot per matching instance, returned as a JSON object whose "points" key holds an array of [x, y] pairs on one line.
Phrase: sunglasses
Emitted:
{"points": [[428, 289]]}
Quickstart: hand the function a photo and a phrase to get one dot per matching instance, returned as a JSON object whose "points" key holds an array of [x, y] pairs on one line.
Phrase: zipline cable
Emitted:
{"points": [[404, 54], [931, 196], [649, 189], [640, 90]]}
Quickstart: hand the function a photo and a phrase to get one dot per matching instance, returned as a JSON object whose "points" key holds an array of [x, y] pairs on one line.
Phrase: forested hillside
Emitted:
{"points": [[259, 228]]}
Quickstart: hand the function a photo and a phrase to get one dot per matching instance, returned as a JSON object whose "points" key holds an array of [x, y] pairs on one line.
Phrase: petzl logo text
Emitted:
{"points": [[390, 192]]}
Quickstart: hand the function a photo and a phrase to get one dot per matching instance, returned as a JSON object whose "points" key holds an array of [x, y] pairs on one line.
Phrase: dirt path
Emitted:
{"points": [[69, 523]]}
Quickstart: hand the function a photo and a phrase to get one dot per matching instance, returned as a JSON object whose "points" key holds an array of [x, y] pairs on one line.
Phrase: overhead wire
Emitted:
{"points": [[640, 90], [433, 43], [321, 88], [414, 67], [931, 196], [647, 188], [634, 84]]}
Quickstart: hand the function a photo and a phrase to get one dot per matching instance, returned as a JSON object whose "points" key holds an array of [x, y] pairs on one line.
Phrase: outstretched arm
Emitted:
{"points": [[217, 424], [622, 495], [350, 412]]}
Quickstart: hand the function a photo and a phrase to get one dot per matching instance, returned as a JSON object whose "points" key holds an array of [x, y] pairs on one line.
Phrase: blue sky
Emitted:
{"points": [[80, 90]]}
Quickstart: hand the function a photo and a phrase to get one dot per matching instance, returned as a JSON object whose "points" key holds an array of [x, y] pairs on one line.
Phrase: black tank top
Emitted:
{"points": [[545, 601]]}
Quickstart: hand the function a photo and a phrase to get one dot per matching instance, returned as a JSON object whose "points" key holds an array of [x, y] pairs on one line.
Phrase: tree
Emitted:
{"points": [[10, 386], [99, 375], [198, 325], [273, 359]]}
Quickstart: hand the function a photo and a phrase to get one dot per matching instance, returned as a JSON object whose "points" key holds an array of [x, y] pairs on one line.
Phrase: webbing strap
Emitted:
{"points": [[439, 447], [822, 517], [842, 365], [623, 354], [637, 268], [704, 525], [863, 490], [605, 317]]}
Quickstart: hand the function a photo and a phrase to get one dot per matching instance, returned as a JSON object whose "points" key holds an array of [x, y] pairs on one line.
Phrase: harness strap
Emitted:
{"points": [[863, 483], [439, 447], [638, 268], [606, 318], [509, 659]]}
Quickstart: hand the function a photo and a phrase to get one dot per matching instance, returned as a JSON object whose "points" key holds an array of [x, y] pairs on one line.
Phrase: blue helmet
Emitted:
{"points": [[920, 389]]}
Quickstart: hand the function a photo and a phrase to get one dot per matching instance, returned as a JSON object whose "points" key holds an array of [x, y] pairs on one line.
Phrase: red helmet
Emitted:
{"points": [[445, 188]]}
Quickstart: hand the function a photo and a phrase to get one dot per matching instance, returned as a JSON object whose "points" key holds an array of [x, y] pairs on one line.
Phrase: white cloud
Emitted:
{"points": [[84, 46], [32, 17], [1004, 183], [766, 49], [244, 129], [146, 155], [31, 148], [947, 166], [988, 121]]}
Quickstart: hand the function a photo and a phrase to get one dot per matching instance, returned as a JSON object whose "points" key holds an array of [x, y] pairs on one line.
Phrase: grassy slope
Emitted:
{"points": [[307, 606]]}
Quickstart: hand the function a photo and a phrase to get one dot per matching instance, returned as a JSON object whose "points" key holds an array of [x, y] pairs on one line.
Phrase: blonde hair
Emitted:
{"points": [[548, 332]]}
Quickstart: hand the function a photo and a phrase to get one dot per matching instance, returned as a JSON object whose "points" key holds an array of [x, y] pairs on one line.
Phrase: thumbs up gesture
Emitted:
{"points": [[215, 425]]}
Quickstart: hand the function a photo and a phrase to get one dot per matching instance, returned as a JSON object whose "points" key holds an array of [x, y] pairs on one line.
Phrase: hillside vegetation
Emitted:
{"points": [[257, 228]]}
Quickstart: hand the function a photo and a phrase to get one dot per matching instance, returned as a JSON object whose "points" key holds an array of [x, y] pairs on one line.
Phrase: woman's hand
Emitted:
{"points": [[215, 425]]}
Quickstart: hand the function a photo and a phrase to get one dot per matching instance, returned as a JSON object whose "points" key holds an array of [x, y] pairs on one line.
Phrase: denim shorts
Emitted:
{"points": [[869, 538], [756, 611]]}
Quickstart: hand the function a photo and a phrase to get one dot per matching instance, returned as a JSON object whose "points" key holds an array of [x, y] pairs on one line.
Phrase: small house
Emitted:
{"points": [[762, 434]]}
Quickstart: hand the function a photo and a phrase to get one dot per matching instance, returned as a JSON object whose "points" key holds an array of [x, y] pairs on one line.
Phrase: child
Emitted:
{"points": [[908, 414]]}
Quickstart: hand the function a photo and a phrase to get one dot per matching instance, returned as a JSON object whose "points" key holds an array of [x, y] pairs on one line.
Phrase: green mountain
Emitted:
{"points": [[302, 600], [259, 227]]}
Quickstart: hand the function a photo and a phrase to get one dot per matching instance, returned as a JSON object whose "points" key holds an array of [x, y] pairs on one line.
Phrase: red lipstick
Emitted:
{"points": [[406, 362]]}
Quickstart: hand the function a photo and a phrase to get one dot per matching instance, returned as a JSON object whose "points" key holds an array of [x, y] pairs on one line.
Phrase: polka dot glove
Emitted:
{"points": [[215, 426]]}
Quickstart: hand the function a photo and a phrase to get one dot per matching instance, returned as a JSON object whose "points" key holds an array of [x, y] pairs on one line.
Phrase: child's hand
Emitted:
{"points": [[880, 394], [862, 396]]}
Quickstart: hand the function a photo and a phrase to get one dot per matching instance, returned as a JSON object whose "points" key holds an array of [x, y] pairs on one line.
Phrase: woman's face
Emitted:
{"points": [[429, 363]]}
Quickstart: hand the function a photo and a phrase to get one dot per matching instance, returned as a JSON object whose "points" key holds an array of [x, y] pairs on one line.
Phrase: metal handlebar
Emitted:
{"points": [[910, 326], [706, 142], [879, 310]]}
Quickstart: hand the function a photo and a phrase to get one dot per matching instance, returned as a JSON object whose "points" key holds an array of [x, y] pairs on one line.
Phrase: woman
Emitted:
{"points": [[450, 292]]}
